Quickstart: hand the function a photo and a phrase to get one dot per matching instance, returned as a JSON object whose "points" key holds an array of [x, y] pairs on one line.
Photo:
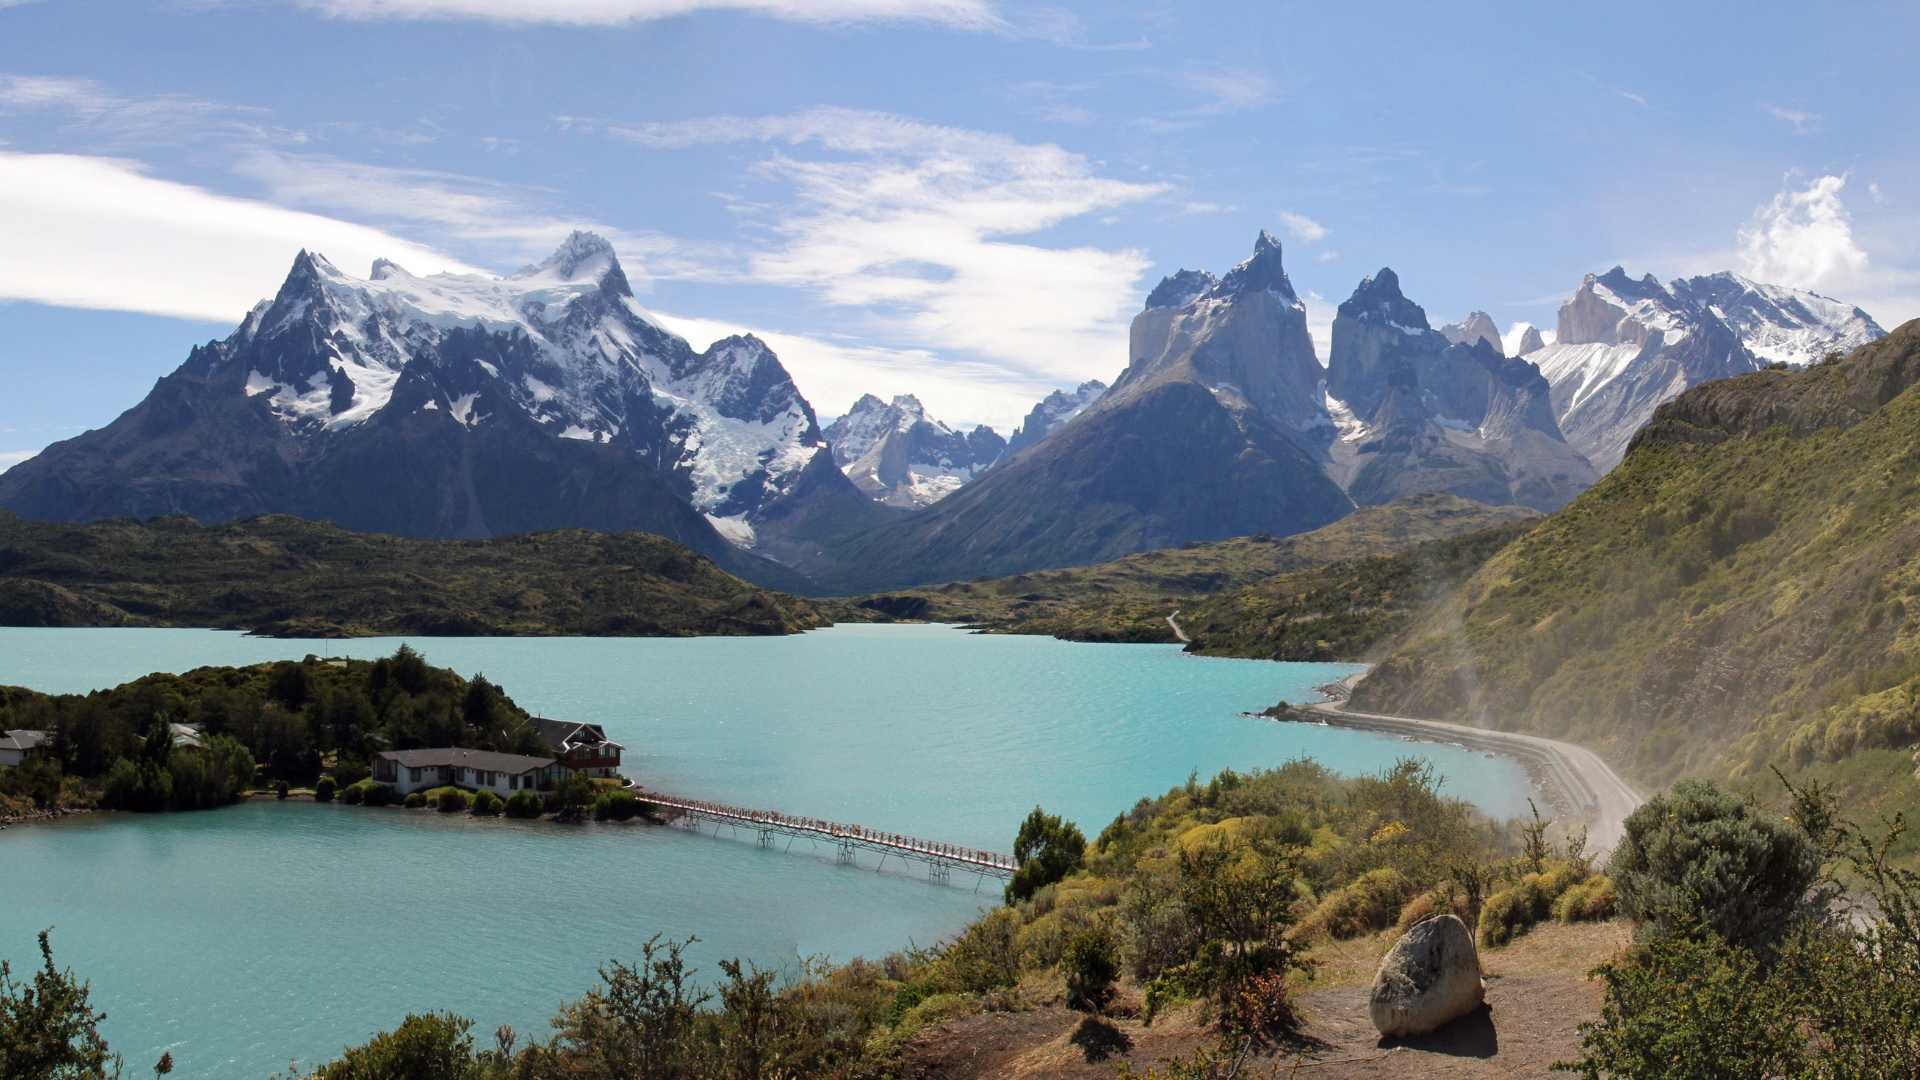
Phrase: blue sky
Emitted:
{"points": [[966, 199]]}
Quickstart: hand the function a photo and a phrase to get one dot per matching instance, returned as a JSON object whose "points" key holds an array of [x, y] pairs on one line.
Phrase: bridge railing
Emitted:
{"points": [[974, 858]]}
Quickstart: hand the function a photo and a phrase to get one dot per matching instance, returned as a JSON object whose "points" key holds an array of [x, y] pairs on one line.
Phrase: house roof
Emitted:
{"points": [[22, 739], [561, 735], [458, 757]]}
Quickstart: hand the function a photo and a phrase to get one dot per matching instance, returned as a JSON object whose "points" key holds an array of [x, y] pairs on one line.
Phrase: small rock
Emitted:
{"points": [[1429, 977]]}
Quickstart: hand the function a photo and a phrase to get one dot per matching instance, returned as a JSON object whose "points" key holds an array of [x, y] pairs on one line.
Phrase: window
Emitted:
{"points": [[413, 776]]}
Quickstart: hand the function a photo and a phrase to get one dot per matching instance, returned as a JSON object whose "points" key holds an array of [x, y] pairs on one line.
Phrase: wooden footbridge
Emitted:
{"points": [[940, 859]]}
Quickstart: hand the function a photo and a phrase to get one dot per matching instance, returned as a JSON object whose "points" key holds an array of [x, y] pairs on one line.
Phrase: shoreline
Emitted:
{"points": [[1576, 781]]}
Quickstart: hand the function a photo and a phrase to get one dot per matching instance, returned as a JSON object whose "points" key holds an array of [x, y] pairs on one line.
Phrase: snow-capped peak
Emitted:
{"points": [[1781, 324], [582, 256]]}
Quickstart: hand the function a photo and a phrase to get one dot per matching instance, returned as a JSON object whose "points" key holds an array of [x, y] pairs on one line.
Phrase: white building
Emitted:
{"points": [[481, 770], [16, 745]]}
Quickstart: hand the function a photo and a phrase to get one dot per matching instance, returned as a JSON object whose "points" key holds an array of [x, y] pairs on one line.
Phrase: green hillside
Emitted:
{"points": [[1742, 591], [1129, 599], [289, 577]]}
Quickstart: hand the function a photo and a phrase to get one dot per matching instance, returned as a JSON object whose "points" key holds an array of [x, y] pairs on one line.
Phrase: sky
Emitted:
{"points": [[962, 199]]}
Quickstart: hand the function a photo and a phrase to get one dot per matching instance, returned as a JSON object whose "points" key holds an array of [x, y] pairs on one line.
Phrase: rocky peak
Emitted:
{"points": [[1052, 412], [1526, 338], [1180, 288], [386, 268], [1379, 299], [1477, 326], [1260, 272]]}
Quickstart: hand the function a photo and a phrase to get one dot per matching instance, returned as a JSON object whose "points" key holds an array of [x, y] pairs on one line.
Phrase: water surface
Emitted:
{"points": [[241, 937]]}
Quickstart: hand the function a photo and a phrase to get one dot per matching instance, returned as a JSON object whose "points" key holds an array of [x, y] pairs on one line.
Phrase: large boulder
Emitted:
{"points": [[1429, 977]]}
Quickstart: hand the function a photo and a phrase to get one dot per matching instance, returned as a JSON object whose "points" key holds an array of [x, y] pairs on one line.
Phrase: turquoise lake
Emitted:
{"points": [[243, 938]]}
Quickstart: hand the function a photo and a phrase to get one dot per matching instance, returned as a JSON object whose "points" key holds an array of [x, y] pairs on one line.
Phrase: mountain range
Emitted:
{"points": [[471, 406]]}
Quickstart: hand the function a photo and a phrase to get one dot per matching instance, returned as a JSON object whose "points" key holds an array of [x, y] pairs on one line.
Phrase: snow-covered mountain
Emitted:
{"points": [[898, 455], [1477, 326], [1054, 411], [1778, 324], [1623, 346], [339, 393]]}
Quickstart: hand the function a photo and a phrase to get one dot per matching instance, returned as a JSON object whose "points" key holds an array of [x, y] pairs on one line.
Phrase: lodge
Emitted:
{"points": [[578, 750]]}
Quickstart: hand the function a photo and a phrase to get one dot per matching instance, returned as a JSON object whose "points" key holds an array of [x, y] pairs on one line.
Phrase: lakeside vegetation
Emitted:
{"points": [[1208, 909], [1247, 586], [1743, 591], [264, 725], [286, 577]]}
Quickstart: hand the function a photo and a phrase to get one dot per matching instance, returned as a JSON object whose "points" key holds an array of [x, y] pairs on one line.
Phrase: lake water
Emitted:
{"points": [[243, 937]]}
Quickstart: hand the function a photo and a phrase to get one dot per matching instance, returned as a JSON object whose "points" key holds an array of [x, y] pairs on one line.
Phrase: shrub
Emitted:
{"points": [[525, 804], [1589, 901], [433, 1045], [1700, 857], [1369, 903], [487, 804], [414, 800], [1091, 967], [378, 795], [354, 794], [615, 806], [452, 800], [1047, 849], [281, 788], [1511, 911], [1427, 905], [323, 789]]}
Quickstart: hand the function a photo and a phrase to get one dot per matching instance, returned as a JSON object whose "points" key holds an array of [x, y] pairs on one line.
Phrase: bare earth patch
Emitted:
{"points": [[1538, 993]]}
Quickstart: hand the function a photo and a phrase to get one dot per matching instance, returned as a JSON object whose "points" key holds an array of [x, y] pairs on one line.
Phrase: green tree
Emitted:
{"points": [[1047, 849], [1700, 856], [48, 1028], [641, 1022]]}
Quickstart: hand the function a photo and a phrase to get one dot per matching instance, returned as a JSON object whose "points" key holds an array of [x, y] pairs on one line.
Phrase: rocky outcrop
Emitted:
{"points": [[1526, 339], [1430, 977], [1055, 411], [1414, 413], [1477, 326]]}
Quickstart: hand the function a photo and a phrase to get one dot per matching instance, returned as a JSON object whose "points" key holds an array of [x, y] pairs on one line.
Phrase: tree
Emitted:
{"points": [[1240, 900], [48, 1029], [640, 1023], [1698, 856], [1047, 849]]}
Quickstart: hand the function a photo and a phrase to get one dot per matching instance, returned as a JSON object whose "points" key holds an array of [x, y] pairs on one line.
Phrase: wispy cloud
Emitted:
{"points": [[1801, 121], [959, 14], [91, 113], [1201, 206], [927, 232], [96, 232], [1216, 92], [1637, 99], [1303, 228]]}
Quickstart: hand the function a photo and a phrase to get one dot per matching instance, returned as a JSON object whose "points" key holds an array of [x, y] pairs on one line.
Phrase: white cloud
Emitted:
{"points": [[503, 224], [1303, 228], [919, 228], [1801, 121], [1326, 256], [1637, 99], [833, 374], [10, 458], [95, 232], [94, 113], [961, 14], [1803, 238], [1200, 206]]}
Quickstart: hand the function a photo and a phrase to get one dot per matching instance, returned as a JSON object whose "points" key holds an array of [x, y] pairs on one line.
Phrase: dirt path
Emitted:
{"points": [[1576, 776], [1173, 621]]}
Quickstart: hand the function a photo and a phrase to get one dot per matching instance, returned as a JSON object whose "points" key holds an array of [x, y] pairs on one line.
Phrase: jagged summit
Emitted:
{"points": [[386, 268], [1261, 271], [580, 255], [1056, 409], [1477, 326], [1379, 298], [1180, 288]]}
